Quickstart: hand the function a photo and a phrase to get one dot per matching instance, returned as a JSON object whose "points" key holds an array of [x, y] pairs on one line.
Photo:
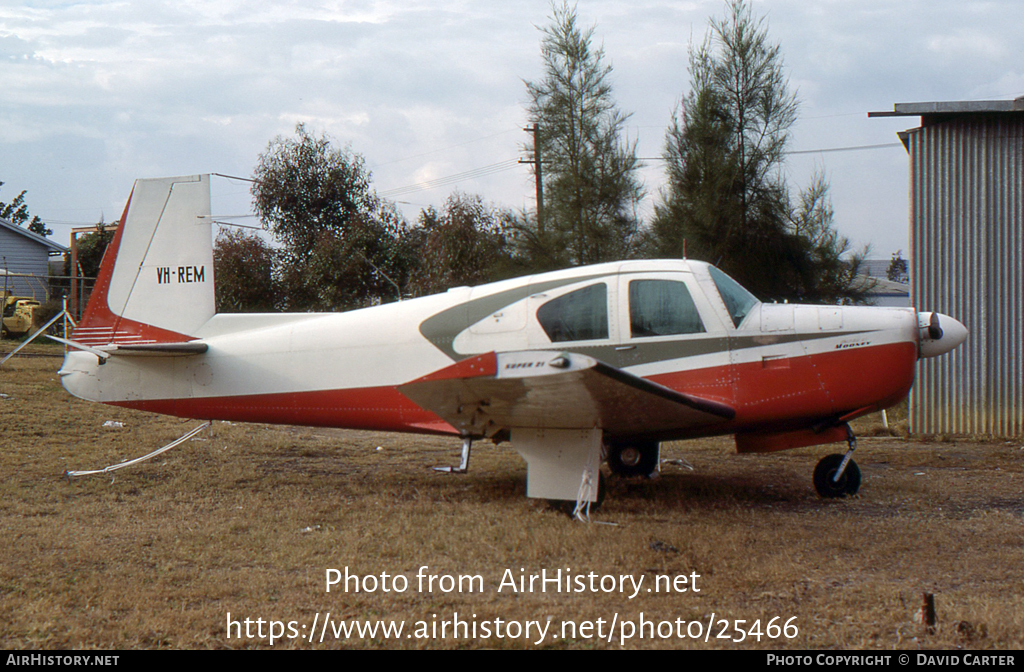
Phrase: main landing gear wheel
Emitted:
{"points": [[636, 458], [824, 477]]}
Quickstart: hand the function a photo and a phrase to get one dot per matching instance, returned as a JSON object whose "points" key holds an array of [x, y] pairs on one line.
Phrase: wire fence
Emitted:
{"points": [[30, 300]]}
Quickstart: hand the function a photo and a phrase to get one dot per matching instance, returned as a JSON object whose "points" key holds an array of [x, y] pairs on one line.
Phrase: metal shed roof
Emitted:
{"points": [[953, 107], [54, 247], [939, 112]]}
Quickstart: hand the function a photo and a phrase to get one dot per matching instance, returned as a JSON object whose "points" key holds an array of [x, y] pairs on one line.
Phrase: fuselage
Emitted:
{"points": [[677, 323]]}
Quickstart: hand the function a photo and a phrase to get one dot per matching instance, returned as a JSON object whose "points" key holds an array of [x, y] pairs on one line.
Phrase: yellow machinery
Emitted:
{"points": [[19, 315]]}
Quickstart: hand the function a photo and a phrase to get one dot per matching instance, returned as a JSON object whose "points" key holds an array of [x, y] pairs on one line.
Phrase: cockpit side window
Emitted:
{"points": [[738, 301], [581, 315], [661, 308]]}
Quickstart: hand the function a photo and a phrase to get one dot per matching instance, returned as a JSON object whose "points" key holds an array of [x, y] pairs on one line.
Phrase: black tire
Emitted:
{"points": [[849, 484], [634, 458]]}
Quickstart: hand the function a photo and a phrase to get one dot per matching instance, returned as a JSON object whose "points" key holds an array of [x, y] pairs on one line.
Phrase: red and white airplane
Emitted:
{"points": [[570, 366]]}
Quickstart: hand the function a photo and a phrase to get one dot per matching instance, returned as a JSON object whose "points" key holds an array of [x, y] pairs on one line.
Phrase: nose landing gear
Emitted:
{"points": [[838, 475]]}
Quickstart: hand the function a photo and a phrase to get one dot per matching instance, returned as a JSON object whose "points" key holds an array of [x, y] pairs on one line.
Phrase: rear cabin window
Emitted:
{"points": [[581, 315], [738, 301], [661, 308]]}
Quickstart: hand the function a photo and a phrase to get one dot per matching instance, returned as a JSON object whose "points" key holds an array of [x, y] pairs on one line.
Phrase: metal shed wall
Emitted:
{"points": [[19, 254], [967, 260]]}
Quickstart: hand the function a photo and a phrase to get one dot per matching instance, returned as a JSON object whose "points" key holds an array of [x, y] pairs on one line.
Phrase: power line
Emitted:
{"points": [[442, 149], [236, 225], [482, 171], [233, 177], [847, 149], [853, 148]]}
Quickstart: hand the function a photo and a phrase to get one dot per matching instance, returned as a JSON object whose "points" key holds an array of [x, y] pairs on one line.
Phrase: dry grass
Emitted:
{"points": [[248, 520]]}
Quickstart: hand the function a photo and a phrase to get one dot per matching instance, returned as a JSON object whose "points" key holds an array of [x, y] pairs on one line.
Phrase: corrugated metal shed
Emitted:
{"points": [[24, 253], [967, 260]]}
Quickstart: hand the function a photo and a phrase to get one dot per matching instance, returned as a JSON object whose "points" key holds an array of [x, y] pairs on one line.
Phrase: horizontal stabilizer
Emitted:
{"points": [[102, 354], [556, 390], [139, 349], [158, 349]]}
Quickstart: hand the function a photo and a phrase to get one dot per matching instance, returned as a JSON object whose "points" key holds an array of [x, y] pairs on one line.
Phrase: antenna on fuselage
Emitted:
{"points": [[382, 274]]}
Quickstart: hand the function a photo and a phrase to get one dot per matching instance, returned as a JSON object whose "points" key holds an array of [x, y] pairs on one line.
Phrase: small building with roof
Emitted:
{"points": [[967, 260], [24, 258], [885, 291]]}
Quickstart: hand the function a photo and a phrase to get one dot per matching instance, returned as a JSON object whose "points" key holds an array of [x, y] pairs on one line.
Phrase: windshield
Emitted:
{"points": [[738, 301]]}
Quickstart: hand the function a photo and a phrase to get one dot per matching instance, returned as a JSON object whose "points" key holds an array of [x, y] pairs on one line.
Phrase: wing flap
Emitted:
{"points": [[556, 390]]}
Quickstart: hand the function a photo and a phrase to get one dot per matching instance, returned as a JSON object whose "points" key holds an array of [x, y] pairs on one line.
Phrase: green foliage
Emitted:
{"points": [[466, 243], [90, 250], [702, 203], [17, 212], [824, 273], [305, 186], [727, 196], [367, 264], [341, 246], [898, 270], [591, 189], [244, 271]]}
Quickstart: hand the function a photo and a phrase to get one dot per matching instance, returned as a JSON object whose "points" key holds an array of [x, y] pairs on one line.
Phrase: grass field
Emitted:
{"points": [[248, 520]]}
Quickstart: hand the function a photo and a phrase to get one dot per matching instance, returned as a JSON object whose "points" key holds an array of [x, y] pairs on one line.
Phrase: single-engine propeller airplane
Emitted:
{"points": [[570, 366]]}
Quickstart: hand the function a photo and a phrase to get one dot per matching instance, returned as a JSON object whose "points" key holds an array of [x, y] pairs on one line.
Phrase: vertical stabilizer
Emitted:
{"points": [[156, 280]]}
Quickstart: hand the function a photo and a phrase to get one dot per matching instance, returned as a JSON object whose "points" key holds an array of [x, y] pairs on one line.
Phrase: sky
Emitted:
{"points": [[97, 93]]}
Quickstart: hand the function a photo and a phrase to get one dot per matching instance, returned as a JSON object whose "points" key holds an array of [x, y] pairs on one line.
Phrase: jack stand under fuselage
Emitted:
{"points": [[467, 444]]}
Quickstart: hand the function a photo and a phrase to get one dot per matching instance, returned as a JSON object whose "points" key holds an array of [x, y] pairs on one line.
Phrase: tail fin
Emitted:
{"points": [[156, 280]]}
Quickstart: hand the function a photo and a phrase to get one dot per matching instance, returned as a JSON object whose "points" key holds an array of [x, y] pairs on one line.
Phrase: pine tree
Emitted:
{"points": [[591, 189], [727, 196]]}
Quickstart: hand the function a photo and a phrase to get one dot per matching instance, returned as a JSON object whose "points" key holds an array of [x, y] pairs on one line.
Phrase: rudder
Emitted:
{"points": [[156, 280]]}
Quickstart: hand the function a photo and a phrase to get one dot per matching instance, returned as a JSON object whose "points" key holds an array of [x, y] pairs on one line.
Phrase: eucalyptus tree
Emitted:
{"points": [[341, 245]]}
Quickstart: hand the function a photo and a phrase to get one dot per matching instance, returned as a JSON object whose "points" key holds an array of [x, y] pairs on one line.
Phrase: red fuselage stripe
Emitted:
{"points": [[771, 395]]}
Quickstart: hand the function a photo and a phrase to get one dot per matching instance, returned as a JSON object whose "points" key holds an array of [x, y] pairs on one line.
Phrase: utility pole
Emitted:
{"points": [[535, 129]]}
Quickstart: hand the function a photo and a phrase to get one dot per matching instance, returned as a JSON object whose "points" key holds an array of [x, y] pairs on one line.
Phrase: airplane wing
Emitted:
{"points": [[556, 390]]}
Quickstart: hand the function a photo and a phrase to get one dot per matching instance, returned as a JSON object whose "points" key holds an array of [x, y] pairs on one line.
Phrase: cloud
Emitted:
{"points": [[967, 44], [99, 92]]}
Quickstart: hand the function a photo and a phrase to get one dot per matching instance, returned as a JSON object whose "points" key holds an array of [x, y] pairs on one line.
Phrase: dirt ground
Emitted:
{"points": [[229, 541]]}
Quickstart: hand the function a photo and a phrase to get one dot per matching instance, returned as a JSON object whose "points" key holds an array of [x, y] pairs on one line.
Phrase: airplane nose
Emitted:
{"points": [[938, 334]]}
